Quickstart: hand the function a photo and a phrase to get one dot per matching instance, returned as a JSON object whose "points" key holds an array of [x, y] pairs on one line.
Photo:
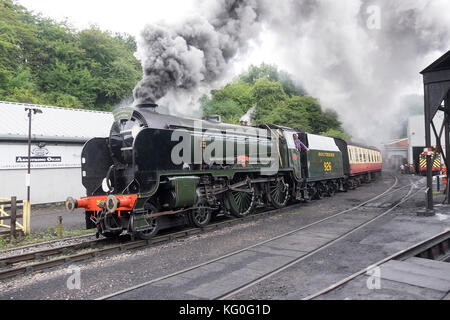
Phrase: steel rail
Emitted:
{"points": [[249, 247], [396, 255], [91, 243], [101, 251], [290, 264], [134, 244], [43, 243]]}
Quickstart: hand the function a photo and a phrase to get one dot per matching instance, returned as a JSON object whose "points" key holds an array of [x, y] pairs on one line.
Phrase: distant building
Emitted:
{"points": [[396, 153], [58, 136], [416, 136]]}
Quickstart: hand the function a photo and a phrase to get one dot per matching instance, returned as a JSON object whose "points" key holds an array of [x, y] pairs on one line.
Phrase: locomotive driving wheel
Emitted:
{"points": [[320, 191], [110, 225], [200, 217], [241, 203], [331, 188], [278, 193], [152, 224], [310, 192]]}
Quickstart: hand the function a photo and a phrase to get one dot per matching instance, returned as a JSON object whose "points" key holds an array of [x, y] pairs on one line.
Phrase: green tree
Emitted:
{"points": [[272, 73], [228, 109], [268, 96], [266, 89], [48, 62], [335, 133], [293, 115]]}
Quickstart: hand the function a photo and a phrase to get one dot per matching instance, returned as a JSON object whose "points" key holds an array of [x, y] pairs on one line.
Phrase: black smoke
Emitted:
{"points": [[195, 52]]}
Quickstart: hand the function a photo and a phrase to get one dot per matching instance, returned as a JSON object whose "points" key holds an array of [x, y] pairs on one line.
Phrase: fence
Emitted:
{"points": [[12, 204]]}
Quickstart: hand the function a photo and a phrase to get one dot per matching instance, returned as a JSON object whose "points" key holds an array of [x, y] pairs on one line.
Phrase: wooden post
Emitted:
{"points": [[26, 217], [13, 217], [60, 219]]}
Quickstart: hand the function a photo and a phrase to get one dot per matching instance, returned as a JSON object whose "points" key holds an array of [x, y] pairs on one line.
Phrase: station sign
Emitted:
{"points": [[43, 156], [38, 159]]}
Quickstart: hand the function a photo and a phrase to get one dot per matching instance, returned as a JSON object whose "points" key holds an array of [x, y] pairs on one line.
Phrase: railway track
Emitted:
{"points": [[435, 248], [256, 274], [47, 258]]}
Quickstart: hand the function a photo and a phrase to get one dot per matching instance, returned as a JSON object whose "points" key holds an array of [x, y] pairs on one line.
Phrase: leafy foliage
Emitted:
{"points": [[334, 133], [47, 62], [277, 100]]}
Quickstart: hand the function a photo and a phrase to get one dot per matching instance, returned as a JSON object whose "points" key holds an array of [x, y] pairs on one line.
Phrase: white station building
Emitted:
{"points": [[57, 138]]}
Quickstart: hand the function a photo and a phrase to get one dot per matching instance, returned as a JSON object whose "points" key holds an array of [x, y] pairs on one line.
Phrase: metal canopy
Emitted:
{"points": [[436, 80]]}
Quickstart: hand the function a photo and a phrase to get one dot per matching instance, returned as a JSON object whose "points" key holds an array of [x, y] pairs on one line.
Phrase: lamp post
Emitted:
{"points": [[28, 179]]}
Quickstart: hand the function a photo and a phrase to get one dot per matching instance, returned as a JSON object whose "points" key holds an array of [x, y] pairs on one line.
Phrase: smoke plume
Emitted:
{"points": [[179, 59], [359, 57], [360, 67]]}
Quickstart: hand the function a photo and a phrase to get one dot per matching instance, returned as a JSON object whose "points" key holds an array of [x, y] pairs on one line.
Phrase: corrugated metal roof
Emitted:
{"points": [[54, 123]]}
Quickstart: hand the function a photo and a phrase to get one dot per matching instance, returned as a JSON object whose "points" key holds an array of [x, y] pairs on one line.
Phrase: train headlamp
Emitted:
{"points": [[105, 185]]}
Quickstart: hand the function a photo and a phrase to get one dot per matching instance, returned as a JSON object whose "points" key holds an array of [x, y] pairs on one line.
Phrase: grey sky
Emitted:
{"points": [[116, 15], [131, 16], [325, 44]]}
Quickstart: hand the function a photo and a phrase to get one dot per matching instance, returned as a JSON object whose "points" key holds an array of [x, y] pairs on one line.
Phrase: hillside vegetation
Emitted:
{"points": [[47, 62], [276, 99], [43, 61]]}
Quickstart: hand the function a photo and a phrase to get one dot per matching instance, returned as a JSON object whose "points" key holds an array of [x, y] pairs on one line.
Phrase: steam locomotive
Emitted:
{"points": [[157, 170]]}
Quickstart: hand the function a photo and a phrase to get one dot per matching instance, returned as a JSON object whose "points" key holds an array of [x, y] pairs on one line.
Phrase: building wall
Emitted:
{"points": [[416, 132], [47, 185], [55, 171]]}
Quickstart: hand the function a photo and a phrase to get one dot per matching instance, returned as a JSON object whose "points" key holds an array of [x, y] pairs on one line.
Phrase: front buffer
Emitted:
{"points": [[109, 214]]}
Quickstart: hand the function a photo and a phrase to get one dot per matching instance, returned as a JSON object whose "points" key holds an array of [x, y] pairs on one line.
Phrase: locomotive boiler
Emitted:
{"points": [[155, 169]]}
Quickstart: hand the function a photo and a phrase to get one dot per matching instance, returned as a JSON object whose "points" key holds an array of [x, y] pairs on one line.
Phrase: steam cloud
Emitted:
{"points": [[369, 76], [179, 59], [365, 74]]}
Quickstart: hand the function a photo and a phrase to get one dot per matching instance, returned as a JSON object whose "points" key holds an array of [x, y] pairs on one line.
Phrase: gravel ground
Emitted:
{"points": [[115, 272], [394, 232], [45, 217], [46, 245]]}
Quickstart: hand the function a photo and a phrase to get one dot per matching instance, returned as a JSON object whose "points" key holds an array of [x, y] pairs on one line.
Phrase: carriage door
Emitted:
{"points": [[293, 154]]}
